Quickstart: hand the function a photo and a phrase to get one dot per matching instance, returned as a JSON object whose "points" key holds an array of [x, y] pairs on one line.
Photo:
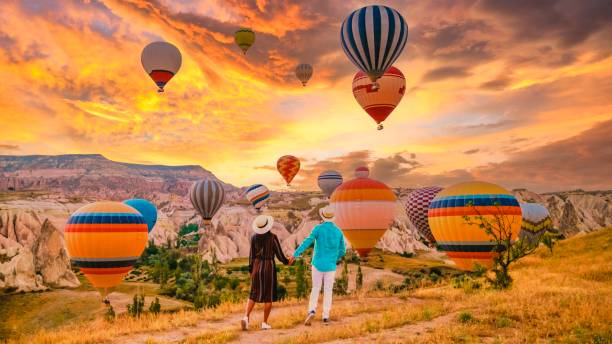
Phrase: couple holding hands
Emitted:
{"points": [[329, 248]]}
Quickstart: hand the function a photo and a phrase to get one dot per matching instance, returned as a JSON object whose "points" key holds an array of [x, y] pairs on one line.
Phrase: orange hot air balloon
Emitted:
{"points": [[365, 209], [379, 102], [288, 166], [105, 239]]}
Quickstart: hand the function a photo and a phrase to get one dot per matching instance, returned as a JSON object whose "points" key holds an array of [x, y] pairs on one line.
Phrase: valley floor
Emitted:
{"points": [[563, 297]]}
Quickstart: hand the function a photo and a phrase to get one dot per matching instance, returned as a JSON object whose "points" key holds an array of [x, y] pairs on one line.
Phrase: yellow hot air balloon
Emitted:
{"points": [[104, 239], [244, 39], [365, 209], [465, 243]]}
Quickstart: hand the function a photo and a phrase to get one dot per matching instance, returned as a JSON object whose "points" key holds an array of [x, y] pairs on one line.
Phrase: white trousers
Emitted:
{"points": [[325, 279]]}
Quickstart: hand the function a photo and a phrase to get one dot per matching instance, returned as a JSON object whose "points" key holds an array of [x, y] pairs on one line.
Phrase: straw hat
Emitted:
{"points": [[327, 213], [262, 224]]}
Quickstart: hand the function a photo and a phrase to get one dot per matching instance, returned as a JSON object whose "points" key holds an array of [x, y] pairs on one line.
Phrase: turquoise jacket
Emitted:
{"points": [[329, 246]]}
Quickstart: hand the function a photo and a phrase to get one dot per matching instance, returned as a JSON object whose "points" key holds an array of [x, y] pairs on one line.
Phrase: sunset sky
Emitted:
{"points": [[513, 92]]}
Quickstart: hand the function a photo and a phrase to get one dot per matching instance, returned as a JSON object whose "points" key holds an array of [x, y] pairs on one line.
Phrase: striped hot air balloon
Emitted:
{"points": [[536, 221], [303, 72], [373, 37], [328, 181], [258, 195], [379, 102], [288, 166], [244, 38], [362, 172], [207, 196], [467, 244], [365, 209], [161, 60], [417, 206], [104, 239]]}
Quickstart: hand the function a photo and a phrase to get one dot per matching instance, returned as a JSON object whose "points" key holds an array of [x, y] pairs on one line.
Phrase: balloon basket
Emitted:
{"points": [[375, 86], [160, 90], [380, 126]]}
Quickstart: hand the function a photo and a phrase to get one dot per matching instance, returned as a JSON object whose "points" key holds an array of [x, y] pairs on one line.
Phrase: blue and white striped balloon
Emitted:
{"points": [[328, 182], [257, 194], [373, 37]]}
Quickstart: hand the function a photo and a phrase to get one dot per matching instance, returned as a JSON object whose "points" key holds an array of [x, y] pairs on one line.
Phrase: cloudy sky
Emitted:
{"points": [[514, 92]]}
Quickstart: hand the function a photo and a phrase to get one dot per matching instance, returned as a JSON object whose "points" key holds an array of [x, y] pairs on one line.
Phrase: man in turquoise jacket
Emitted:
{"points": [[329, 248]]}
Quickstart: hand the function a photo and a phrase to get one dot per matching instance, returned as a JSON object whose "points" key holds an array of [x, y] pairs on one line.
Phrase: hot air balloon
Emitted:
{"points": [[417, 205], [303, 72], [244, 39], [161, 60], [328, 181], [362, 172], [258, 195], [288, 166], [365, 209], [146, 209], [373, 37], [379, 102], [465, 243], [536, 221], [207, 196], [104, 239]]}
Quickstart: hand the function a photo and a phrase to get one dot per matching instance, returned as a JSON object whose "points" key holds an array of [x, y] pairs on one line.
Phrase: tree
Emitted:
{"points": [[359, 278], [508, 251], [137, 306], [155, 307], [341, 285], [300, 280], [110, 313]]}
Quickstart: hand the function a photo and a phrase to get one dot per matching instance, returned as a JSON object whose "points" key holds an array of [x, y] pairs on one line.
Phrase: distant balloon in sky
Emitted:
{"points": [[207, 196], [362, 172], [244, 38], [146, 209], [373, 37], [258, 195], [161, 60], [417, 206], [288, 166], [105, 239], [303, 72], [536, 221], [379, 102], [328, 181]]}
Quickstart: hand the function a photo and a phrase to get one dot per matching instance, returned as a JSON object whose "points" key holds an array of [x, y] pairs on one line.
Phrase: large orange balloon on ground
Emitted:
{"points": [[288, 166], [104, 239], [379, 102], [467, 244], [365, 209]]}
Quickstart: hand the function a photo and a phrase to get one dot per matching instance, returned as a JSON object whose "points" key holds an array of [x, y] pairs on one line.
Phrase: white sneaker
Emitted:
{"points": [[265, 326], [244, 323], [309, 317]]}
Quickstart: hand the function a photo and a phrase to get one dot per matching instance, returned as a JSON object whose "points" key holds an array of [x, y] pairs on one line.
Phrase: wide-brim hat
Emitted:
{"points": [[327, 213], [262, 224]]}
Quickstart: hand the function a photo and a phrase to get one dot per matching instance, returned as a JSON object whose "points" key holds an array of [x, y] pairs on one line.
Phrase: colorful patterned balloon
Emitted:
{"points": [[161, 60], [467, 244], [536, 221], [417, 206], [104, 239], [258, 195], [365, 209], [288, 166], [328, 181], [146, 209]]}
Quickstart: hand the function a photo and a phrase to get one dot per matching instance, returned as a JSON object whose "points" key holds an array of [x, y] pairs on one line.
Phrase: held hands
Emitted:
{"points": [[291, 260]]}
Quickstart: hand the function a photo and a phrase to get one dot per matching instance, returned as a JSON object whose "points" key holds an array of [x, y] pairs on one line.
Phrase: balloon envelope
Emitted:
{"points": [[373, 37], [536, 221], [381, 101], [465, 243], [258, 195], [244, 38], [365, 209], [328, 181], [417, 206], [161, 60], [303, 72], [288, 166], [207, 196], [105, 239], [146, 209]]}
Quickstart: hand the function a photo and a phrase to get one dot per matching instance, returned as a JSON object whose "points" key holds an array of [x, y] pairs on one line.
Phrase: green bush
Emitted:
{"points": [[155, 306], [137, 306], [465, 317]]}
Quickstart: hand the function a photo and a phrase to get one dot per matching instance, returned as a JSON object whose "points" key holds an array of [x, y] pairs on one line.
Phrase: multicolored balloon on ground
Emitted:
{"points": [[379, 102], [536, 221], [161, 60], [146, 209], [303, 72], [373, 37], [465, 243], [258, 195], [207, 196], [288, 166], [104, 239], [328, 181], [417, 206], [365, 208], [244, 38]]}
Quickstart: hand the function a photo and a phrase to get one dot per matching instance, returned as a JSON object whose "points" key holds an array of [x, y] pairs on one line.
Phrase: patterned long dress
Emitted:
{"points": [[264, 247]]}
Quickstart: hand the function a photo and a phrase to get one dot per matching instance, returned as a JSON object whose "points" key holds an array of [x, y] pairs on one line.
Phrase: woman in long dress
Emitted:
{"points": [[262, 267]]}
